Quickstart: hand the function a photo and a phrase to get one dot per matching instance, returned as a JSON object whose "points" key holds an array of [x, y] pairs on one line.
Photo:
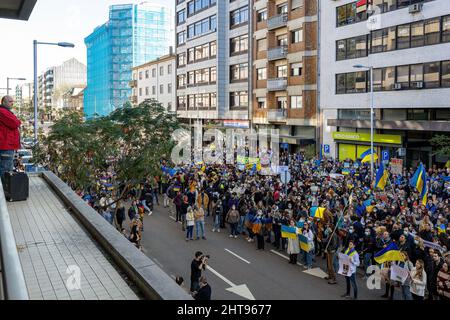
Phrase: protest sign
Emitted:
{"points": [[344, 265], [399, 274]]}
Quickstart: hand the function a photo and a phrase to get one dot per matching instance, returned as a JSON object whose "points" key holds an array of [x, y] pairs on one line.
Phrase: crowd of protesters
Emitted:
{"points": [[359, 219]]}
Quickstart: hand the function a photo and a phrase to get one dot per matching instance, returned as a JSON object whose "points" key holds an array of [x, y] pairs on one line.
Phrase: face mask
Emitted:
{"points": [[416, 242], [405, 233], [350, 231], [368, 233]]}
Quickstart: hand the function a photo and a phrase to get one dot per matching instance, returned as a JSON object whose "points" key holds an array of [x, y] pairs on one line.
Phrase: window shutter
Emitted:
{"points": [[296, 4]]}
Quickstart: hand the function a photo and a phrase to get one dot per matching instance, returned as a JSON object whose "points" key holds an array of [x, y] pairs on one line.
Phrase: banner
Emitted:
{"points": [[344, 265], [432, 245], [399, 274], [396, 166]]}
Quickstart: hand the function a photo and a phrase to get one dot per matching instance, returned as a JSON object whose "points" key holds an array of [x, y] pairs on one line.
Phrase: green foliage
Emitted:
{"points": [[441, 145], [130, 142], [310, 151]]}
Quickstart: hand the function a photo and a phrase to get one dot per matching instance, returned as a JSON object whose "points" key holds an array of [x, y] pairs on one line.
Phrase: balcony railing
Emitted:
{"points": [[277, 53], [132, 84], [277, 21], [277, 84], [277, 115]]}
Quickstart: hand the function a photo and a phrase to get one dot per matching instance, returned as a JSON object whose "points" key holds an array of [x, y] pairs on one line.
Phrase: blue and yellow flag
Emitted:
{"points": [[317, 212], [303, 241], [390, 253], [441, 228], [366, 156], [419, 181], [381, 178], [288, 232]]}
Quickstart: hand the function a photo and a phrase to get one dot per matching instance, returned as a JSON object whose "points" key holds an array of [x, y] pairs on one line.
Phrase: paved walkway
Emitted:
{"points": [[49, 240]]}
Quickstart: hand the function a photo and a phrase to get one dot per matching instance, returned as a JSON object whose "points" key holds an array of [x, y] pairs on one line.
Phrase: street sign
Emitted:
{"points": [[401, 152], [285, 177], [326, 148], [385, 155]]}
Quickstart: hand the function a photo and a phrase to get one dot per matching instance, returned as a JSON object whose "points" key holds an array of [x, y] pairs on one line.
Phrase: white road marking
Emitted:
{"points": [[237, 256], [317, 272], [221, 276], [283, 256], [241, 290], [174, 219]]}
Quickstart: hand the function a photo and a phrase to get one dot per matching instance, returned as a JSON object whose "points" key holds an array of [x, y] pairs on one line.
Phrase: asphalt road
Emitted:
{"points": [[235, 262]]}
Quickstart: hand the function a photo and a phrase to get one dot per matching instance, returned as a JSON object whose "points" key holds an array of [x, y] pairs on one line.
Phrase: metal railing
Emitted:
{"points": [[277, 21], [277, 84], [277, 53], [277, 115], [13, 281]]}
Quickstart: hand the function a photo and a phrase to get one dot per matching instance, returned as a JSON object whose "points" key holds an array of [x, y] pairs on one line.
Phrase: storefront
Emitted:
{"points": [[350, 145]]}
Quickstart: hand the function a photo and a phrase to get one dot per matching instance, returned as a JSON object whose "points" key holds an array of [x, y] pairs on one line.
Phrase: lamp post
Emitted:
{"points": [[7, 83], [35, 101], [359, 66]]}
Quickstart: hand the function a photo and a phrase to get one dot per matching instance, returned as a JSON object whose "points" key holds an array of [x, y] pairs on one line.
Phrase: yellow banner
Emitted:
{"points": [[365, 137]]}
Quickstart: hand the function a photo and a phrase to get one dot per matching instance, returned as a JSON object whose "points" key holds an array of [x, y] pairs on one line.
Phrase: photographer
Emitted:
{"points": [[204, 293], [197, 265]]}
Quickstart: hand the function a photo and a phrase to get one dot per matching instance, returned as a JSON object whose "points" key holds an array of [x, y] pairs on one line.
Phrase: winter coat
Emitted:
{"points": [[293, 246], [9, 130], [232, 216]]}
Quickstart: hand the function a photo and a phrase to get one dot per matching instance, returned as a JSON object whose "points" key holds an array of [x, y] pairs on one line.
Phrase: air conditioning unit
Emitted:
{"points": [[414, 8], [397, 86], [417, 84]]}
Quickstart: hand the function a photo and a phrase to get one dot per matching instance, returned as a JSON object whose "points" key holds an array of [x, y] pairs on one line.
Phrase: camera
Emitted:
{"points": [[207, 256]]}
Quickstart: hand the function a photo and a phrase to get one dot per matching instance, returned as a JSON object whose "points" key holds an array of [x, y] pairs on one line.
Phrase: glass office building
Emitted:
{"points": [[133, 35]]}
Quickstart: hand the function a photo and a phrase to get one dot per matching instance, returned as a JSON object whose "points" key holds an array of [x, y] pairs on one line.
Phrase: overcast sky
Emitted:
{"points": [[52, 21]]}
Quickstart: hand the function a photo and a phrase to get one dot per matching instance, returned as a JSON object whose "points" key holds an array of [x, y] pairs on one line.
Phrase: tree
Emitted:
{"points": [[441, 145], [130, 142]]}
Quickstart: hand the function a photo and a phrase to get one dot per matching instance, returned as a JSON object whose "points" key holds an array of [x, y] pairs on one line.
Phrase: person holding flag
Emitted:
{"points": [[419, 181], [293, 247], [350, 278], [381, 177]]}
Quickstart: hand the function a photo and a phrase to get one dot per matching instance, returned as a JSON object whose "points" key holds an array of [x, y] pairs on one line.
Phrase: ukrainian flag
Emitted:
{"points": [[441, 228], [381, 178], [366, 156], [317, 212], [288, 232], [303, 241], [390, 253], [419, 181]]}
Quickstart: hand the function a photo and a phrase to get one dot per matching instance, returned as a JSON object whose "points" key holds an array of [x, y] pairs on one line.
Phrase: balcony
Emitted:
{"points": [[277, 21], [277, 84], [277, 53], [277, 115], [132, 83]]}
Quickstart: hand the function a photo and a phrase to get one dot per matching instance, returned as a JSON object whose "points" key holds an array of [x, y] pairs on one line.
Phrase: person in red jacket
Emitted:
{"points": [[9, 135]]}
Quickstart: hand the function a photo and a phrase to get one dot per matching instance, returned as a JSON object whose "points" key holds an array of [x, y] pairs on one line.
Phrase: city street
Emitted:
{"points": [[236, 265]]}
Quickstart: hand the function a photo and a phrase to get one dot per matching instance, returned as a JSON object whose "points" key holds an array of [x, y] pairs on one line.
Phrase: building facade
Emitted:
{"points": [[407, 45], [24, 96], [156, 80], [213, 58], [74, 99], [285, 69], [54, 83], [133, 35]]}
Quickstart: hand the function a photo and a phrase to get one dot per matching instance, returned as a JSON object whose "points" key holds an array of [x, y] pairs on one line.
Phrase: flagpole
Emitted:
{"points": [[337, 223]]}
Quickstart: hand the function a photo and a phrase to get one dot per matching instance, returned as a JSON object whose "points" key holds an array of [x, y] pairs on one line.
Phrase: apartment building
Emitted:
{"points": [[212, 48], [407, 45], [156, 80], [284, 69]]}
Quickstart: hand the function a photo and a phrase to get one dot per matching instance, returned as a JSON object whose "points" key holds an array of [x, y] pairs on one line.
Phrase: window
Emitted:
{"points": [[282, 71], [388, 78], [445, 74], [181, 38], [140, 75], [239, 72], [201, 27], [431, 74], [154, 90], [361, 81], [261, 103], [377, 79], [181, 59], [353, 47], [282, 40], [238, 99], [213, 75], [147, 92], [296, 69], [239, 44], [297, 36], [262, 45], [169, 69], [296, 4], [181, 80], [147, 73], [416, 74], [169, 106], [262, 15], [140, 92], [417, 114], [239, 16], [432, 29], [169, 88], [403, 76], [282, 8], [154, 73], [446, 29], [348, 14], [340, 83], [181, 17], [181, 103], [341, 49], [417, 34], [296, 102], [161, 71], [282, 103], [212, 49], [261, 73], [403, 36]]}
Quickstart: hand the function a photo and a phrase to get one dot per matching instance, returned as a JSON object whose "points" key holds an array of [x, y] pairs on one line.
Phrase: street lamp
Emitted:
{"points": [[359, 66], [7, 83], [35, 100]]}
